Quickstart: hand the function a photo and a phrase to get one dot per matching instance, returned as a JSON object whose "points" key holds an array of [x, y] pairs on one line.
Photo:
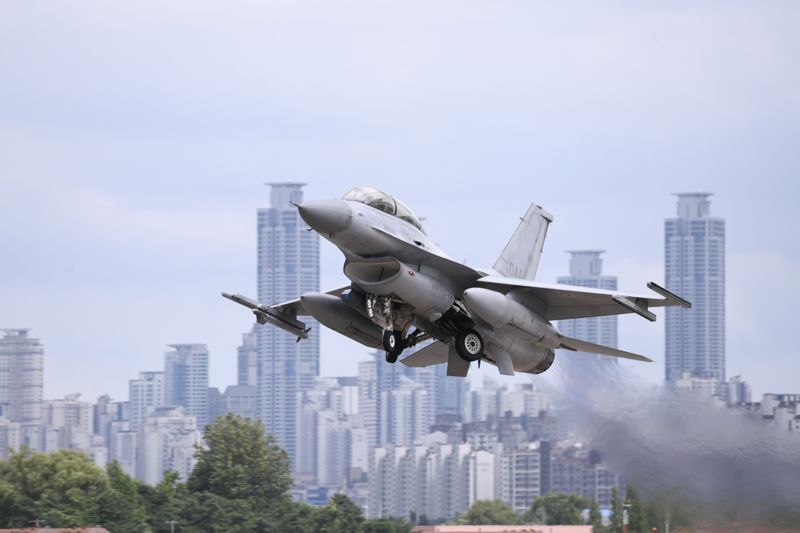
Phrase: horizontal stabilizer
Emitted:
{"points": [[432, 354], [577, 345]]}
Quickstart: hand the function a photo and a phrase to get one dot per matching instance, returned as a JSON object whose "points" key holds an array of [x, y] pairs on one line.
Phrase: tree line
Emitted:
{"points": [[568, 509], [242, 481]]}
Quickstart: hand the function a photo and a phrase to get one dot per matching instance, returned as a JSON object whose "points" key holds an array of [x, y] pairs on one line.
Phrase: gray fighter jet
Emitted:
{"points": [[404, 290]]}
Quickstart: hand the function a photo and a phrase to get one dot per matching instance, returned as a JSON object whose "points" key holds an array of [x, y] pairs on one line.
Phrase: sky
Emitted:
{"points": [[136, 138]]}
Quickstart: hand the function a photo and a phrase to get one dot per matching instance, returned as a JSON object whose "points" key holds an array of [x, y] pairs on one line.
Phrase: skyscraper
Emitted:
{"points": [[288, 266], [586, 270], [186, 380], [21, 377], [694, 263]]}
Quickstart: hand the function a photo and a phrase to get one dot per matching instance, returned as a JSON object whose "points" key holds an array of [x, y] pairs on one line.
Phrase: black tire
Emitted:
{"points": [[469, 345], [393, 344]]}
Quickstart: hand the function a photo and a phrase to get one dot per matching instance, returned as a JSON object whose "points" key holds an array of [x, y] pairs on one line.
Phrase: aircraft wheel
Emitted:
{"points": [[393, 344], [469, 345]]}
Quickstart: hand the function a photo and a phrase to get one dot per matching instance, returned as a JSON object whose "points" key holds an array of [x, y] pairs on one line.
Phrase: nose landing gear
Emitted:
{"points": [[393, 344]]}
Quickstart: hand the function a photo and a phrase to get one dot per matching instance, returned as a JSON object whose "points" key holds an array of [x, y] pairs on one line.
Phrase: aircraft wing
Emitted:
{"points": [[283, 315], [411, 253], [563, 302]]}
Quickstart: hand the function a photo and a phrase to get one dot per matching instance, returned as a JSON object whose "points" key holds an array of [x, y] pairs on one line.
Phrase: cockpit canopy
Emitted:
{"points": [[385, 202]]}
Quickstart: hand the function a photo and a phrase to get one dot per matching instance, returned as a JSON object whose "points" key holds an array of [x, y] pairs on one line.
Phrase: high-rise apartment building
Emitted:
{"points": [[186, 380], [21, 377], [144, 395], [288, 266], [586, 270], [167, 441], [383, 388], [694, 263]]}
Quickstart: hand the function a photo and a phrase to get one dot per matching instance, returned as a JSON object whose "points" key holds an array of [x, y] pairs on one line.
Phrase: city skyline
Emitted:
{"points": [[586, 260], [132, 169]]}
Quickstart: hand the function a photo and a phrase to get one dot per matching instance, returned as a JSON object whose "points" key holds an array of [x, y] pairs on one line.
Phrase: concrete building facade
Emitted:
{"points": [[166, 442], [144, 395], [186, 380]]}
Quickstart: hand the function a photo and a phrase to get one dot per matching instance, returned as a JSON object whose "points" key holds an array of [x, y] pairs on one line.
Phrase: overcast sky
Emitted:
{"points": [[135, 139]]}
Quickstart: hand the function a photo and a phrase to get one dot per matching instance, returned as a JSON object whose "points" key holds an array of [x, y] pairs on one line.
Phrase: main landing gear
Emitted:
{"points": [[469, 345]]}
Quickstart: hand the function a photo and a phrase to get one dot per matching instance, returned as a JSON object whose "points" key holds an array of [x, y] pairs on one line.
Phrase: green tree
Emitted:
{"points": [[615, 525], [241, 482], [487, 512], [241, 462], [637, 513], [556, 509], [341, 514], [386, 525], [596, 518], [163, 502], [122, 509], [63, 488]]}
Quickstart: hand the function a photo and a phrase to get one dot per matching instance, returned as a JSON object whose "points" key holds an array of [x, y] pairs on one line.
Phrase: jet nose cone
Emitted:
{"points": [[326, 216]]}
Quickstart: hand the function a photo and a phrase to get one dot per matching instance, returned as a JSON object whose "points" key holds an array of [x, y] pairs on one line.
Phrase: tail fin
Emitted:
{"points": [[520, 257]]}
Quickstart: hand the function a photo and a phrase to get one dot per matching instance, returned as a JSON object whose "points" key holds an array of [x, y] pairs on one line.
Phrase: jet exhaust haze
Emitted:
{"points": [[678, 445]]}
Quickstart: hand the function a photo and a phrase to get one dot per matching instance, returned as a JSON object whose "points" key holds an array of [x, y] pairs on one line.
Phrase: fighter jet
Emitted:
{"points": [[404, 291]]}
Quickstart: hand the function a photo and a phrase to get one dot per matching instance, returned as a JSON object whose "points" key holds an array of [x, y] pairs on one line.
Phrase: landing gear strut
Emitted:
{"points": [[469, 345], [393, 344]]}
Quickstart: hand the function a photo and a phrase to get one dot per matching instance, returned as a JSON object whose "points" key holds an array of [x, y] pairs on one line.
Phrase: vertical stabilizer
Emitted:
{"points": [[520, 257]]}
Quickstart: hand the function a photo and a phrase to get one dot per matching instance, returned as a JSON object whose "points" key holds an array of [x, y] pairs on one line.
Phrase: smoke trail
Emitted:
{"points": [[673, 441]]}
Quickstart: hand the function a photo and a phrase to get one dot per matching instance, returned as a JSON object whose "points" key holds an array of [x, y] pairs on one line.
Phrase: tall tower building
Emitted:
{"points": [[694, 263], [586, 270], [288, 266], [186, 380], [21, 377]]}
